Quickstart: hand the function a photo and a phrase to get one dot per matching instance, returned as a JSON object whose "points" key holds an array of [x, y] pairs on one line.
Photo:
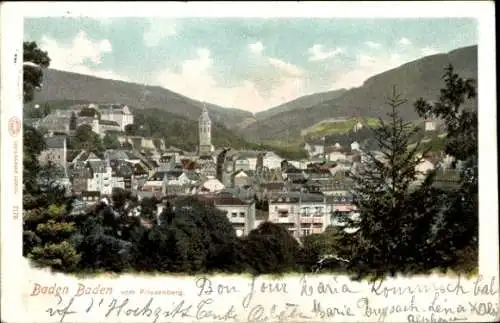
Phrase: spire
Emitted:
{"points": [[204, 113]]}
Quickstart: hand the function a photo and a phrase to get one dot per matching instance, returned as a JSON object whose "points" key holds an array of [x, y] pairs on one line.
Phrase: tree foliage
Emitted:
{"points": [[33, 145], [111, 142], [391, 222], [33, 76], [459, 225], [86, 139], [270, 249]]}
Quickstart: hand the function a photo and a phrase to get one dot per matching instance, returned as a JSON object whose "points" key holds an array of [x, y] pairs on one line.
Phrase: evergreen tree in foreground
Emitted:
{"points": [[392, 225], [457, 240]]}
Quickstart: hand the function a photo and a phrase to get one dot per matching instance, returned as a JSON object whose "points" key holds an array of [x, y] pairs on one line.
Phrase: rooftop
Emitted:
{"points": [[109, 123], [55, 142], [298, 197]]}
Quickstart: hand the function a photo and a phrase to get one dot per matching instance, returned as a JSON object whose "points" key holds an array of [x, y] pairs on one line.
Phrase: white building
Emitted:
{"points": [[336, 153], [300, 213], [271, 160], [242, 163], [241, 214], [212, 185], [299, 164], [118, 182], [424, 167], [315, 148], [205, 133], [430, 125], [115, 112], [101, 180]]}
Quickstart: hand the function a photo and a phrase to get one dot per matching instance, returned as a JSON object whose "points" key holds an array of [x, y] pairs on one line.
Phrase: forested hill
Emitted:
{"points": [[67, 86], [419, 78]]}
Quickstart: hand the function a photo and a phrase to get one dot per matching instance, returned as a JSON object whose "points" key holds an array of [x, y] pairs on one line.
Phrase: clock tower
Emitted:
{"points": [[205, 133]]}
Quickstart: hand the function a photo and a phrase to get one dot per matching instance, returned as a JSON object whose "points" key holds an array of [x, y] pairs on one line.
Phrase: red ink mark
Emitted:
{"points": [[14, 126]]}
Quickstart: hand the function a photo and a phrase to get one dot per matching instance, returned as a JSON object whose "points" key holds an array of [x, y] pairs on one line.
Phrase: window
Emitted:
{"points": [[306, 232], [283, 213], [242, 214], [233, 214]]}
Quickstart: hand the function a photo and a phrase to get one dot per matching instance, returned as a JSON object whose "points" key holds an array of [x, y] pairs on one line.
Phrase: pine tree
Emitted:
{"points": [[458, 230], [52, 232], [384, 191]]}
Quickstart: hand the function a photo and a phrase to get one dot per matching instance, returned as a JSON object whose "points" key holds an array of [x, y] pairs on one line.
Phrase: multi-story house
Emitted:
{"points": [[101, 180], [80, 176], [173, 182], [270, 190], [242, 178], [115, 112], [240, 213], [339, 206], [55, 151], [323, 179], [54, 123], [242, 163], [271, 160], [315, 146], [246, 160], [336, 153], [156, 182], [300, 213], [207, 166], [121, 174]]}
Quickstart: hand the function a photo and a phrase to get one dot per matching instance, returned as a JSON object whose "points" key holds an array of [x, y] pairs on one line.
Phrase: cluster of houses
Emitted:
{"points": [[102, 118], [305, 196]]}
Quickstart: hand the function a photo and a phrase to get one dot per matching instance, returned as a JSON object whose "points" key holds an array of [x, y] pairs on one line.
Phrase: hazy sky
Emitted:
{"points": [[250, 64]]}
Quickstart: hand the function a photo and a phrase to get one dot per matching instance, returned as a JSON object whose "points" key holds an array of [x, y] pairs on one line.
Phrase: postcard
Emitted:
{"points": [[249, 162]]}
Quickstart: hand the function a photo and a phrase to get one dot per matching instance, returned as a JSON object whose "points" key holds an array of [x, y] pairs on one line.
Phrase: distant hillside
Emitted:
{"points": [[328, 127], [66, 86], [300, 103], [420, 78], [176, 130]]}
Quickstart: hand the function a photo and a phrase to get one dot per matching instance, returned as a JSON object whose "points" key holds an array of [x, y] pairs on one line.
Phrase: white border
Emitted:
{"points": [[11, 37], [319, 9], [11, 40]]}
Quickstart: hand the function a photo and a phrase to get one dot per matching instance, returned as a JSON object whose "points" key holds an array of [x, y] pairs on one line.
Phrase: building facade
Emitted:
{"points": [[55, 152], [205, 133], [241, 214], [119, 113], [300, 213]]}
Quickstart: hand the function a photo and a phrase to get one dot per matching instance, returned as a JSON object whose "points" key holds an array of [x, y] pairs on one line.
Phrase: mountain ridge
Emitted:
{"points": [[63, 85], [419, 78], [300, 103]]}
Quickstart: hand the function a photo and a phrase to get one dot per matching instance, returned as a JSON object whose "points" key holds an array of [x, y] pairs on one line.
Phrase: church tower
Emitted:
{"points": [[205, 133]]}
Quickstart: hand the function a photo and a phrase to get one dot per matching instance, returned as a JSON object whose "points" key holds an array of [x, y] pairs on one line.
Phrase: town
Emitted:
{"points": [[305, 196], [249, 157]]}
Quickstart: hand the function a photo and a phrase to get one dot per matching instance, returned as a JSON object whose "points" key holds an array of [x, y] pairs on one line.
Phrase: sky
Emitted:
{"points": [[246, 63]]}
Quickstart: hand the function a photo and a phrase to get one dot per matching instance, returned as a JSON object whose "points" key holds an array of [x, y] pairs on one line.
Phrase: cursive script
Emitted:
{"points": [[205, 287], [62, 311], [282, 314], [204, 311]]}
